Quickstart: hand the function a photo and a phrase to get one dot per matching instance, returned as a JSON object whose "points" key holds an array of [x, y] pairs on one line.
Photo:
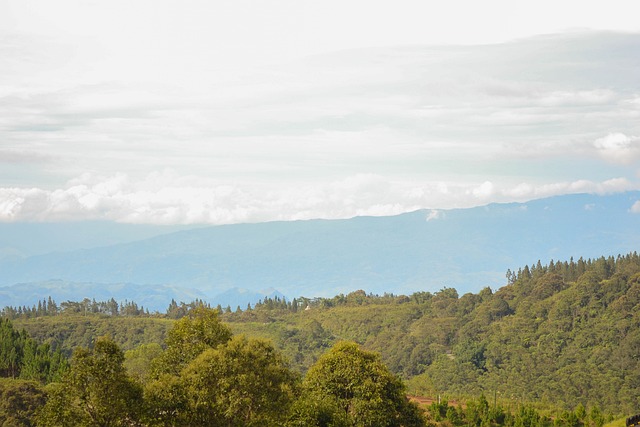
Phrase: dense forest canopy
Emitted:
{"points": [[563, 336]]}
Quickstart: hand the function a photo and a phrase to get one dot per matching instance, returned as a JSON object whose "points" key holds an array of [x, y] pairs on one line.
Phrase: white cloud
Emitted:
{"points": [[615, 185], [168, 198], [619, 148], [435, 214], [484, 191], [636, 207], [526, 191]]}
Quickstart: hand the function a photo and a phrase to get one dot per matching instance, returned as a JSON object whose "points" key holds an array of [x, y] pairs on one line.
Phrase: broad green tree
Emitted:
{"points": [[200, 330], [317, 410], [95, 392], [166, 399], [166, 402], [362, 387], [243, 383]]}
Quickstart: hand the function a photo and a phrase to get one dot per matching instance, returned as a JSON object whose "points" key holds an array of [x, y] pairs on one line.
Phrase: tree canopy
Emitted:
{"points": [[361, 387], [563, 335], [96, 391]]}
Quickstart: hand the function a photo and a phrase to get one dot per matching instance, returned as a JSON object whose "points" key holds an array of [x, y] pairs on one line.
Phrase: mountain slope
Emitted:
{"points": [[463, 248], [19, 240]]}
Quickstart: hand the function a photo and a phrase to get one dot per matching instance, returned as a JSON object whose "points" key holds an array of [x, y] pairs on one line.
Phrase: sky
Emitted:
{"points": [[229, 111]]}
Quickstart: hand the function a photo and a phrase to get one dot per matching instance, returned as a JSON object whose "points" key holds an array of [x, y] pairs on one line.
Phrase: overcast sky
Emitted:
{"points": [[242, 111]]}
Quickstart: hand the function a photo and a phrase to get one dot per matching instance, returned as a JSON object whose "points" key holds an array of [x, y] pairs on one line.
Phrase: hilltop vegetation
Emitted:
{"points": [[562, 336], [206, 376]]}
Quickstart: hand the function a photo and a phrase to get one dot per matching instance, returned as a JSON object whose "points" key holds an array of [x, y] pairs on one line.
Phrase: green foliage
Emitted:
{"points": [[138, 361], [620, 422], [21, 356], [19, 400], [479, 412], [65, 332], [563, 336], [302, 343], [12, 345], [246, 382], [362, 388], [178, 311], [560, 334], [205, 377], [317, 410], [243, 383], [189, 337], [95, 392], [42, 364], [166, 401]]}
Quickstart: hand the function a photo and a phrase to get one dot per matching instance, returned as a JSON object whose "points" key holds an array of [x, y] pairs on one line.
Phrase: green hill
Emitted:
{"points": [[561, 335]]}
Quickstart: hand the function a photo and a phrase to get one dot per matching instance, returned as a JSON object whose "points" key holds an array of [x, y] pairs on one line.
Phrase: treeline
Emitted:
{"points": [[48, 307], [569, 271]]}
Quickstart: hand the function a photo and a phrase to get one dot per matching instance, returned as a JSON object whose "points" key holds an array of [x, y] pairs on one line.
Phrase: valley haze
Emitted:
{"points": [[425, 250]]}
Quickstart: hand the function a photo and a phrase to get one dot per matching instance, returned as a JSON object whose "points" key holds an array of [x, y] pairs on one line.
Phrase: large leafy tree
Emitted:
{"points": [[200, 330], [361, 387], [206, 378], [95, 392], [166, 402], [243, 383], [166, 399]]}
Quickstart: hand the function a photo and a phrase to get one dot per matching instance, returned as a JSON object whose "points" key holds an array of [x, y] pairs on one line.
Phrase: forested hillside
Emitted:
{"points": [[563, 335], [205, 376]]}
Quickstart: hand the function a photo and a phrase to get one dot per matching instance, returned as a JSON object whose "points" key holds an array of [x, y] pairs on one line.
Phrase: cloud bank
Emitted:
{"points": [[166, 198]]}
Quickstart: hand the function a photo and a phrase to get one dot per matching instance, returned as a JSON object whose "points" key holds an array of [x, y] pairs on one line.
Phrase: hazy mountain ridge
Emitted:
{"points": [[423, 250], [21, 240]]}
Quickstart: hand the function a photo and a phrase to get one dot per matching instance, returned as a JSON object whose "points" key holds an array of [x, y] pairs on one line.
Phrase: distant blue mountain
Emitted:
{"points": [[19, 240], [467, 249]]}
